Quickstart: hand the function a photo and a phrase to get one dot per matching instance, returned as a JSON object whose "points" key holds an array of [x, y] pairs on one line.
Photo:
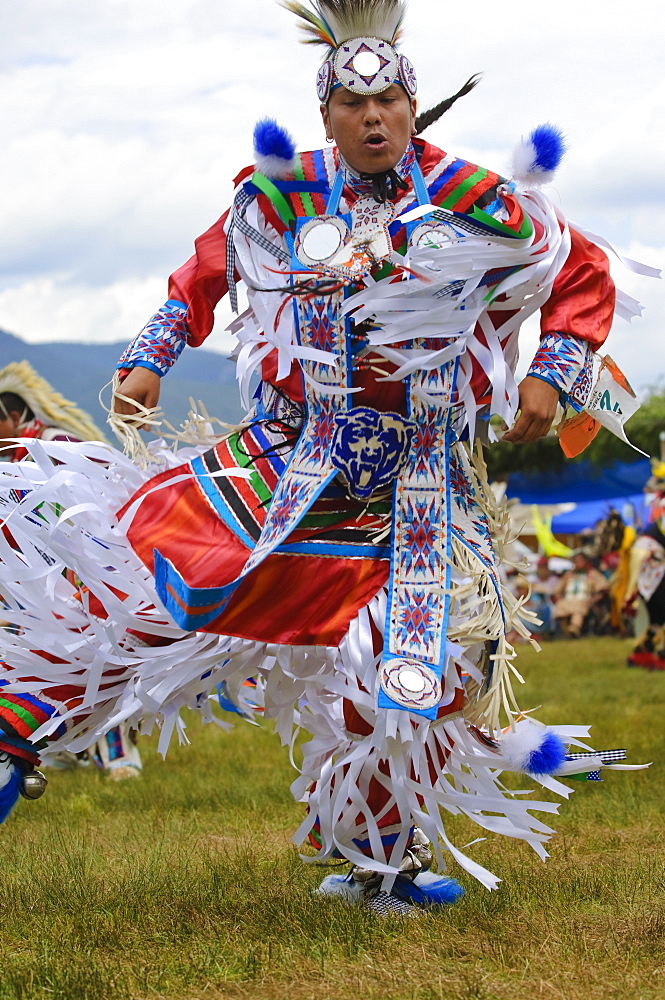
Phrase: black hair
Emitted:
{"points": [[428, 118], [385, 185], [12, 402]]}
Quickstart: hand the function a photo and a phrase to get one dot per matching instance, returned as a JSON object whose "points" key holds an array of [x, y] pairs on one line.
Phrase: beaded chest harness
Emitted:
{"points": [[374, 452]]}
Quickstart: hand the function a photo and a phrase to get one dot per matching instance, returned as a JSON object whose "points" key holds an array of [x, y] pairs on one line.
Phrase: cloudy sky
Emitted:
{"points": [[124, 122]]}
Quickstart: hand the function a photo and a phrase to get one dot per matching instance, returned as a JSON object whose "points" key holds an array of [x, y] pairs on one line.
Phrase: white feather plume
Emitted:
{"points": [[517, 744], [374, 18], [524, 169], [537, 158], [331, 22]]}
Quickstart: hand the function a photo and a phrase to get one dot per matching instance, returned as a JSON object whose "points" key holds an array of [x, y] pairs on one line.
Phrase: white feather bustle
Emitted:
{"points": [[342, 887]]}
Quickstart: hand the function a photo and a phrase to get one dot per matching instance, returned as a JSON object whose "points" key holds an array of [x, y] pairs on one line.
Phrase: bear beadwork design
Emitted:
{"points": [[370, 448]]}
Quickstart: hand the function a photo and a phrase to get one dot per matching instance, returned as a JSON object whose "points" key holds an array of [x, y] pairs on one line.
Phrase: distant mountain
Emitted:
{"points": [[79, 371]]}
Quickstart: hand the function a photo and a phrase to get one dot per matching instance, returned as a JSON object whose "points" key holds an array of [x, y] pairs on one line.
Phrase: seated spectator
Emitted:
{"points": [[543, 584], [577, 593]]}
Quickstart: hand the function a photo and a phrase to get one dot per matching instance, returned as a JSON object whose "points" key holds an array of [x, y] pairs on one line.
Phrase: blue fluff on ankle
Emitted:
{"points": [[430, 890], [9, 793]]}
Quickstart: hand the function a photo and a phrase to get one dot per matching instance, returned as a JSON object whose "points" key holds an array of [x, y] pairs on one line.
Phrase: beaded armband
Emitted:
{"points": [[565, 362], [160, 342]]}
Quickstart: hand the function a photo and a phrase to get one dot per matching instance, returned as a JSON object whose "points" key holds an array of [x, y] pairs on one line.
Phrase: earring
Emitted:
{"points": [[329, 138]]}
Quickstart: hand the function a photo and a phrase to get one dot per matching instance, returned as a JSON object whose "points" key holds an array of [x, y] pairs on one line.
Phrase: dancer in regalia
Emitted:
{"points": [[342, 544], [31, 409], [647, 578]]}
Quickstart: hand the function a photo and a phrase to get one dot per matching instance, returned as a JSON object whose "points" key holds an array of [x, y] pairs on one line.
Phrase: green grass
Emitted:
{"points": [[184, 886]]}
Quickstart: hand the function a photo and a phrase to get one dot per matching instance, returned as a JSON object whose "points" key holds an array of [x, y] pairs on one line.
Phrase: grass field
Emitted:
{"points": [[184, 885]]}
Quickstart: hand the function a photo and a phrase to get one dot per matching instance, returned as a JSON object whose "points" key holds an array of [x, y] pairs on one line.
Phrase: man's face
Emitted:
{"points": [[371, 133], [8, 429]]}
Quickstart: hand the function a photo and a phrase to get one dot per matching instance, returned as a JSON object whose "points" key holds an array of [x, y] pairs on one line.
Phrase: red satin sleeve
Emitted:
{"points": [[202, 282], [583, 296]]}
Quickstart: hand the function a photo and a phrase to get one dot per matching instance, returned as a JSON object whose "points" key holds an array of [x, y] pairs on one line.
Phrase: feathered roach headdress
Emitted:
{"points": [[22, 380], [360, 36]]}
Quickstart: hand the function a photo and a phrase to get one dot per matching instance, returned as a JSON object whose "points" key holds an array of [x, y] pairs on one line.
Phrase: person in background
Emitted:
{"points": [[577, 592], [543, 585], [647, 578]]}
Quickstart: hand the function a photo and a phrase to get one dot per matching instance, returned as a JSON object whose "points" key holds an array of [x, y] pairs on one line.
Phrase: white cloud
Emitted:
{"points": [[636, 346], [45, 309], [124, 123]]}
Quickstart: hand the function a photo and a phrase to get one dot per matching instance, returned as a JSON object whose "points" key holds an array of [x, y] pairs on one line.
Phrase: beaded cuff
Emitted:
{"points": [[565, 362], [160, 342]]}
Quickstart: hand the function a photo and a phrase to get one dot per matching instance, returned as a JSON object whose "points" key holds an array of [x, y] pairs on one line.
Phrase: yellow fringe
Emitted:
{"points": [[127, 426], [196, 431], [477, 607]]}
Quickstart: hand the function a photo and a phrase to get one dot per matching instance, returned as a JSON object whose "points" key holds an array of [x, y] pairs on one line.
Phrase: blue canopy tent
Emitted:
{"points": [[589, 512], [580, 482], [593, 491]]}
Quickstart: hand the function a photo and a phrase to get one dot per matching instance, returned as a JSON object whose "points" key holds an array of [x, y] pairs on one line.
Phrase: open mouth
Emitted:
{"points": [[376, 141]]}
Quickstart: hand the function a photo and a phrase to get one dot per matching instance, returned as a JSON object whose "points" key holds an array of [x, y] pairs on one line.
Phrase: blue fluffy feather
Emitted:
{"points": [[274, 148], [9, 793], [429, 889], [549, 756], [550, 146]]}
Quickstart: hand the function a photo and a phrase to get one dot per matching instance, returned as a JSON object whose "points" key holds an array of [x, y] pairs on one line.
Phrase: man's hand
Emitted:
{"points": [[538, 403], [142, 385]]}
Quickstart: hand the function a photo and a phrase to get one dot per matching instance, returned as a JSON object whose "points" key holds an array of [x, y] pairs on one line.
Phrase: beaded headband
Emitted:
{"points": [[360, 36]]}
